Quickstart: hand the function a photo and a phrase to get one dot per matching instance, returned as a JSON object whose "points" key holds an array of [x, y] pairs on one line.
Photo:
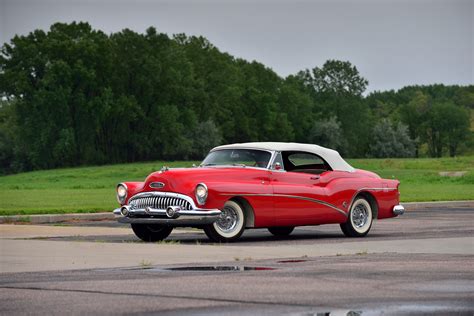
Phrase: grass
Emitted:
{"points": [[92, 189], [420, 179], [144, 264]]}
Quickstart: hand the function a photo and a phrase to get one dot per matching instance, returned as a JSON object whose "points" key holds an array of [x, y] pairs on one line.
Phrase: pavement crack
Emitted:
{"points": [[198, 298]]}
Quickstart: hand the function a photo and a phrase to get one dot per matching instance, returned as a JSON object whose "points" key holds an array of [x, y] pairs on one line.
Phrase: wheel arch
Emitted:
{"points": [[248, 210], [372, 201]]}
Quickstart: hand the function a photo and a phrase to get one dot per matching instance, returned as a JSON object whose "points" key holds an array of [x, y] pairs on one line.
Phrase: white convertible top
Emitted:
{"points": [[332, 157]]}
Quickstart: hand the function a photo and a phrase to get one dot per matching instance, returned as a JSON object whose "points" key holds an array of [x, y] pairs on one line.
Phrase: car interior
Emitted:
{"points": [[303, 162]]}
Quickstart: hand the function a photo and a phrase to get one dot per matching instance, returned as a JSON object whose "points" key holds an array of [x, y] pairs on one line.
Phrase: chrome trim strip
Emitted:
{"points": [[293, 197]]}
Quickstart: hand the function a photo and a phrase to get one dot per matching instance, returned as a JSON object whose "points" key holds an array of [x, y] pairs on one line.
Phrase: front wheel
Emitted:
{"points": [[281, 231], [359, 220], [229, 226], [150, 233]]}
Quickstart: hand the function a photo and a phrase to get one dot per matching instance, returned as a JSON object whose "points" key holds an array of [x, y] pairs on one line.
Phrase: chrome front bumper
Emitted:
{"points": [[398, 209], [159, 208], [196, 217]]}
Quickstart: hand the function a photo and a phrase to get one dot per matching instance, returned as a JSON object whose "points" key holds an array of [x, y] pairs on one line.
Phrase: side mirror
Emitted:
{"points": [[277, 166]]}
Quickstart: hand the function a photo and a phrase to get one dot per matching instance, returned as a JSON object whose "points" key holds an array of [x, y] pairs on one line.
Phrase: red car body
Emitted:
{"points": [[269, 197]]}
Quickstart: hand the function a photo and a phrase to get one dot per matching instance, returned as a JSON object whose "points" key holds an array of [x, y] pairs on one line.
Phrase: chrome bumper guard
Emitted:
{"points": [[398, 209]]}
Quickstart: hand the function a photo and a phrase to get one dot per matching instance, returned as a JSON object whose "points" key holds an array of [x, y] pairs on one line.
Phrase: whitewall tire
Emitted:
{"points": [[359, 219], [229, 226]]}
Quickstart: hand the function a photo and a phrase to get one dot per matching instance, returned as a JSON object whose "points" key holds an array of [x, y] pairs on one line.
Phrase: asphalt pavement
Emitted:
{"points": [[419, 263]]}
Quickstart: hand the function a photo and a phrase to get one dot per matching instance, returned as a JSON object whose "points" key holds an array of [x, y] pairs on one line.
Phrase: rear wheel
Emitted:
{"points": [[359, 220], [281, 231], [229, 226], [150, 233]]}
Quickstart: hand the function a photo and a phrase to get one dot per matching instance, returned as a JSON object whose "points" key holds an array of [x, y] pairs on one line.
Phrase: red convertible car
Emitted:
{"points": [[258, 185]]}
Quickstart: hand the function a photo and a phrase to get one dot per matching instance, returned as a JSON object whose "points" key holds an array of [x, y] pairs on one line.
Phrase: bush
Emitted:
{"points": [[391, 140]]}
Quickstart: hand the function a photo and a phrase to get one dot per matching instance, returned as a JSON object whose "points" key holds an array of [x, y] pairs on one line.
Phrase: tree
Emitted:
{"points": [[328, 133], [294, 102], [414, 114], [391, 140], [339, 77], [7, 137], [446, 125], [73, 95], [55, 79], [457, 128], [336, 90], [204, 137]]}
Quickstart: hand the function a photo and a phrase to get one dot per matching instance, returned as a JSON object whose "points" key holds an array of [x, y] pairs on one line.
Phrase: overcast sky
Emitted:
{"points": [[393, 43]]}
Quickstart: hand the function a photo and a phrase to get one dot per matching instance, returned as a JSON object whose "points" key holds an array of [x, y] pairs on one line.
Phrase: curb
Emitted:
{"points": [[429, 205], [58, 218]]}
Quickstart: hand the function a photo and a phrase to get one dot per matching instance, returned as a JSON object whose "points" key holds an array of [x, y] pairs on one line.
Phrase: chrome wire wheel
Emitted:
{"points": [[359, 219], [229, 226], [359, 216], [227, 220]]}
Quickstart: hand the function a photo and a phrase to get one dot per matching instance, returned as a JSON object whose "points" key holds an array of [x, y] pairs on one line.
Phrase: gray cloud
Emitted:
{"points": [[393, 43]]}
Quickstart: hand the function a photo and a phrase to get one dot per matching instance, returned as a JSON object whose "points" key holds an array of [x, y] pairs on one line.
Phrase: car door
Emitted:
{"points": [[299, 189]]}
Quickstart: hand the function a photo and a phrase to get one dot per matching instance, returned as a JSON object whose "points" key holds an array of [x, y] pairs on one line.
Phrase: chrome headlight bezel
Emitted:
{"points": [[201, 193], [122, 192]]}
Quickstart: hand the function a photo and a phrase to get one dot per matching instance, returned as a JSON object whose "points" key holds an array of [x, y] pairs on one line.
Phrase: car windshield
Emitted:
{"points": [[237, 157]]}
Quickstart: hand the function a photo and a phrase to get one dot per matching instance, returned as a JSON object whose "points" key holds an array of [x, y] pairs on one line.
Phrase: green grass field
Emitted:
{"points": [[92, 189]]}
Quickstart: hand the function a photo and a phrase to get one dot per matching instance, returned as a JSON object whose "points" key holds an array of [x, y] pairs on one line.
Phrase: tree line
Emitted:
{"points": [[77, 96]]}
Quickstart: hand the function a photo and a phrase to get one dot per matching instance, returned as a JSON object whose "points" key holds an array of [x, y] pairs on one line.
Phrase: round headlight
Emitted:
{"points": [[201, 193], [122, 191]]}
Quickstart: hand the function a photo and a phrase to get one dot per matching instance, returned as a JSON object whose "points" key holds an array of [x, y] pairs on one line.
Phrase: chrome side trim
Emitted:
{"points": [[292, 197]]}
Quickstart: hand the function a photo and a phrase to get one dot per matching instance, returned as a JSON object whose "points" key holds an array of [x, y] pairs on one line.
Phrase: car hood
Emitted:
{"points": [[184, 180]]}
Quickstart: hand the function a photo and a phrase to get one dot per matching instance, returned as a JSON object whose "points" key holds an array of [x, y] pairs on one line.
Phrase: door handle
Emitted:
{"points": [[315, 178]]}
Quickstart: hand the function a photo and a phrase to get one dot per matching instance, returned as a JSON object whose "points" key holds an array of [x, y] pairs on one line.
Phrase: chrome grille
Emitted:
{"points": [[158, 202]]}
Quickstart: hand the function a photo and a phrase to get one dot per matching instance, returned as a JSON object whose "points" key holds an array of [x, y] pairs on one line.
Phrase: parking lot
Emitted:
{"points": [[421, 262]]}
